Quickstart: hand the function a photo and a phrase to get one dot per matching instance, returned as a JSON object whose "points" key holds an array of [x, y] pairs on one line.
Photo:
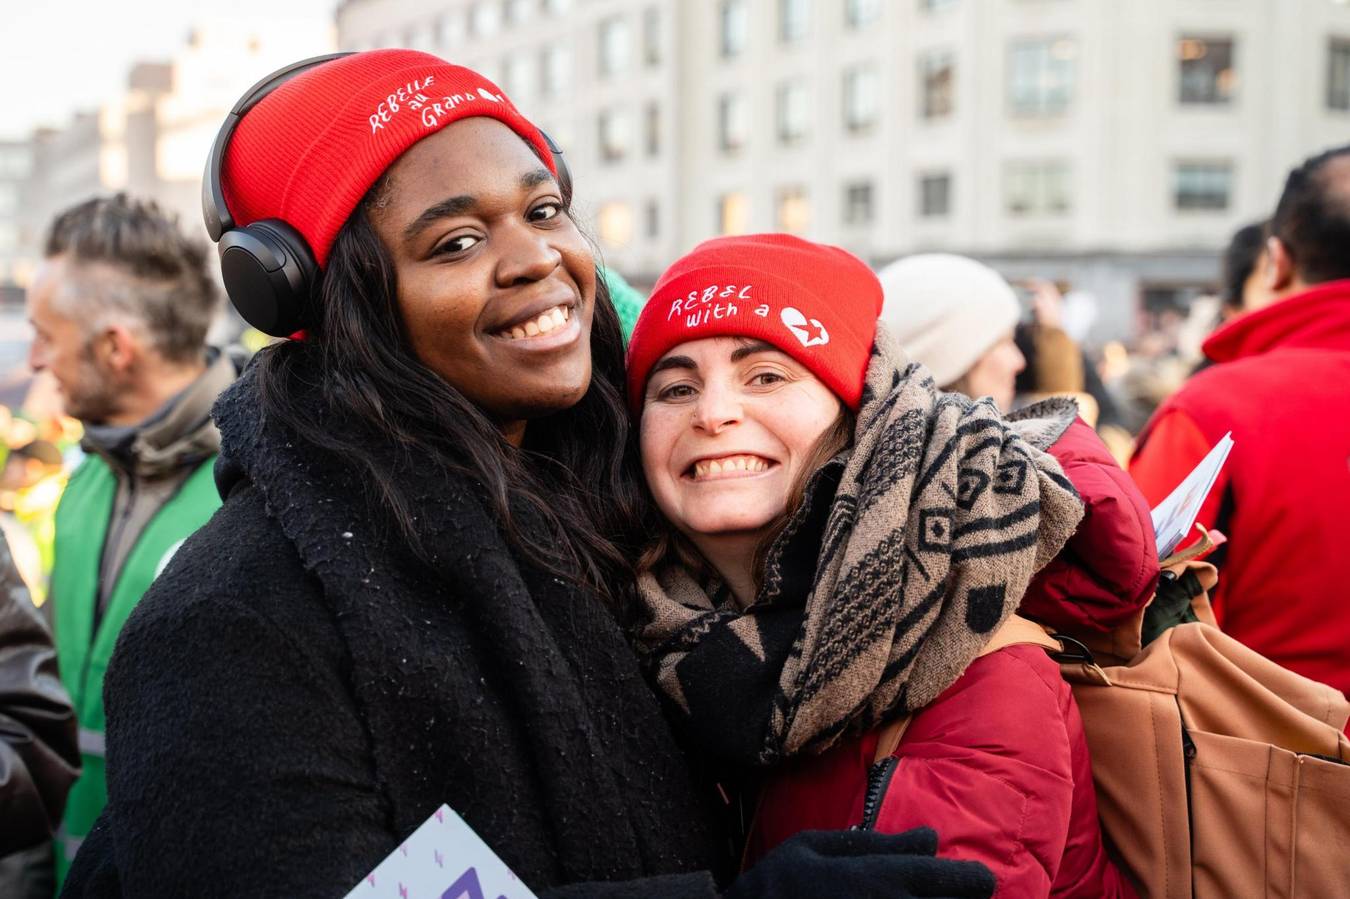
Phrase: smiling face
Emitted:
{"points": [[728, 425], [495, 283]]}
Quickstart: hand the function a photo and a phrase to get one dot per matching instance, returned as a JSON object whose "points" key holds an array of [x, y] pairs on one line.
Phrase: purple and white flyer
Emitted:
{"points": [[442, 859]]}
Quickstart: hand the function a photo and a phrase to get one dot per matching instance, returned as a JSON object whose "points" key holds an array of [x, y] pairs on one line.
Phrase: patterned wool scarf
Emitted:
{"points": [[908, 552]]}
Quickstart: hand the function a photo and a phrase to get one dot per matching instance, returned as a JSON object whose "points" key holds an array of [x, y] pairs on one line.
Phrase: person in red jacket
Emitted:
{"points": [[1279, 384], [843, 541]]}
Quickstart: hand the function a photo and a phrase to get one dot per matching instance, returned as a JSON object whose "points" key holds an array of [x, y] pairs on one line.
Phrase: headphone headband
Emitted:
{"points": [[215, 210]]}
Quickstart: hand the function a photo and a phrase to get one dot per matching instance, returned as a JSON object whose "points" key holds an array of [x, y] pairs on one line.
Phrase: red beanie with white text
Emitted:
{"points": [[818, 304], [311, 149]]}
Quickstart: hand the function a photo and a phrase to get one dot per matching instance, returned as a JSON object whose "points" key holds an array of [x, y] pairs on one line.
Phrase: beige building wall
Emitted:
{"points": [[1117, 149]]}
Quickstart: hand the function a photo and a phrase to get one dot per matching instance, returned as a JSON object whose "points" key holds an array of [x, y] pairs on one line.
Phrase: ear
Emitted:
{"points": [[1279, 266], [119, 348]]}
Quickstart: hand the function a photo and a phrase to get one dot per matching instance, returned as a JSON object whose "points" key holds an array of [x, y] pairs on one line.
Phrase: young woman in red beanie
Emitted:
{"points": [[402, 602], [847, 548]]}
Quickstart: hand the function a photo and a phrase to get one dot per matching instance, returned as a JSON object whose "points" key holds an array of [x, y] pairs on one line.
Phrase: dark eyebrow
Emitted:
{"points": [[759, 346], [535, 178], [444, 209], [672, 362], [466, 203]]}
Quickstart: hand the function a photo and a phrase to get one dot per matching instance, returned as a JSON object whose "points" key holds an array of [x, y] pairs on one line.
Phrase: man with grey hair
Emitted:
{"points": [[121, 306]]}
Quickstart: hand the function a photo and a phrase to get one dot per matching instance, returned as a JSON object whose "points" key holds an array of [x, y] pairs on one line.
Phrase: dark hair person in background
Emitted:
{"points": [[1279, 384], [400, 603], [1243, 287], [120, 310]]}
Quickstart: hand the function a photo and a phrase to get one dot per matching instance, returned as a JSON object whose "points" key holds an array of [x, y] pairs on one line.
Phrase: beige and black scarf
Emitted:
{"points": [[910, 549]]}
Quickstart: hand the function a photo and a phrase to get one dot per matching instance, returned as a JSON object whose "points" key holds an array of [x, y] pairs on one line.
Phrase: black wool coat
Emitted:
{"points": [[297, 693]]}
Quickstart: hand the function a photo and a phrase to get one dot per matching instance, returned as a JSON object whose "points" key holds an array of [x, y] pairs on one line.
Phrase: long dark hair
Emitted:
{"points": [[577, 471]]}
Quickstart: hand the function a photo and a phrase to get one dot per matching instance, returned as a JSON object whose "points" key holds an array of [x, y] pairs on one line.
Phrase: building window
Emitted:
{"points": [[1207, 73], [1041, 76], [651, 217], [733, 125], [733, 213], [555, 72], [1035, 189], [485, 18], [793, 210], [935, 195], [858, 13], [651, 36], [1338, 75], [518, 12], [793, 111], [616, 135], [1202, 186], [441, 31], [15, 162], [862, 98], [651, 128], [735, 27], [794, 20], [937, 84], [615, 47], [615, 224], [519, 75], [858, 206]]}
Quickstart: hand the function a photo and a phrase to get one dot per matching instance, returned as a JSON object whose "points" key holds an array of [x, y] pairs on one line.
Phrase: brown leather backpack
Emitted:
{"points": [[1218, 772]]}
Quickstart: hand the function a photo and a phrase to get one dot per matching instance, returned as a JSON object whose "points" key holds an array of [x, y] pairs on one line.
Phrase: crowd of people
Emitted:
{"points": [[761, 586]]}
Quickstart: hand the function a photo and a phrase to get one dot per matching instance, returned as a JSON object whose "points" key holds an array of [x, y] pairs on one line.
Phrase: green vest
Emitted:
{"points": [[82, 521]]}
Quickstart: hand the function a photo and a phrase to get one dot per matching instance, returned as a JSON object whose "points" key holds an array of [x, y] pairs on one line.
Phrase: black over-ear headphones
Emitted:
{"points": [[267, 266]]}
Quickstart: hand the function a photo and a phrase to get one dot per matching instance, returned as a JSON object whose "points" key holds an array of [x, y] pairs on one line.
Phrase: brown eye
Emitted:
{"points": [[676, 392], [767, 378], [545, 211], [457, 245]]}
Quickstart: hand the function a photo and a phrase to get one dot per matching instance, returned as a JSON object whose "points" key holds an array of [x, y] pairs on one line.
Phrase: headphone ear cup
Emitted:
{"points": [[269, 274]]}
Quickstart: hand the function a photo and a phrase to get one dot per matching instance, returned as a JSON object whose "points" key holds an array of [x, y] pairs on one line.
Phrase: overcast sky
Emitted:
{"points": [[58, 57]]}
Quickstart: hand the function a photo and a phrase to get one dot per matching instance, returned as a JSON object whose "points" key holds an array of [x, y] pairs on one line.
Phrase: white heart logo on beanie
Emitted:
{"points": [[488, 95], [810, 332]]}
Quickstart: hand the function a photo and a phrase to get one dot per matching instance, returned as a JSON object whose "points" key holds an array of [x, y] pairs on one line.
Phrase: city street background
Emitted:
{"points": [[1109, 147]]}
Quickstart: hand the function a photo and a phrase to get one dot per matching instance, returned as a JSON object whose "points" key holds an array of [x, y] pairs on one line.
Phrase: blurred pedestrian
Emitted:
{"points": [[1243, 286], [956, 317], [428, 499], [39, 758], [31, 483], [120, 308], [1279, 385]]}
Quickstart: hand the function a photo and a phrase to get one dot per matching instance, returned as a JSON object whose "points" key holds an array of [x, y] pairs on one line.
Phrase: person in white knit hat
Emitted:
{"points": [[955, 316]]}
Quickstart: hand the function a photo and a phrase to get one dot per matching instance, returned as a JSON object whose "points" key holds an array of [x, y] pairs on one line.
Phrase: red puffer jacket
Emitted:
{"points": [[998, 764]]}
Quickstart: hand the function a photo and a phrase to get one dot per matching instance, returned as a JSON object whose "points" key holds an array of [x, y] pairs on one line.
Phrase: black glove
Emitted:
{"points": [[861, 864]]}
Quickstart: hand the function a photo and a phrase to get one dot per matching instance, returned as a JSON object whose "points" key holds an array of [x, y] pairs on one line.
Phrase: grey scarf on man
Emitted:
{"points": [[909, 551]]}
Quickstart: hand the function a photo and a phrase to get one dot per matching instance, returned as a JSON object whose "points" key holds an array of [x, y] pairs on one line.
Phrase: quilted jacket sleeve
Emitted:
{"points": [[988, 765]]}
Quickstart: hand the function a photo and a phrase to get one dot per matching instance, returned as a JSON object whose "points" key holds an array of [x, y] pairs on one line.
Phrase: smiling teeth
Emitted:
{"points": [[546, 321], [711, 467]]}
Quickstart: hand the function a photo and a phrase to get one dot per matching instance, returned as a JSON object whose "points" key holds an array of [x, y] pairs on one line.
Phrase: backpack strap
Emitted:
{"points": [[1016, 631]]}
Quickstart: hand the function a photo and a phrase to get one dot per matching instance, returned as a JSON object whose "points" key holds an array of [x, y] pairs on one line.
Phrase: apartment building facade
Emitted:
{"points": [[1112, 146]]}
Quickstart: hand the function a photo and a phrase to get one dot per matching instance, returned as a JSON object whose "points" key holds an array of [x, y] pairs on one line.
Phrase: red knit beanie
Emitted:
{"points": [[819, 304], [309, 151]]}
